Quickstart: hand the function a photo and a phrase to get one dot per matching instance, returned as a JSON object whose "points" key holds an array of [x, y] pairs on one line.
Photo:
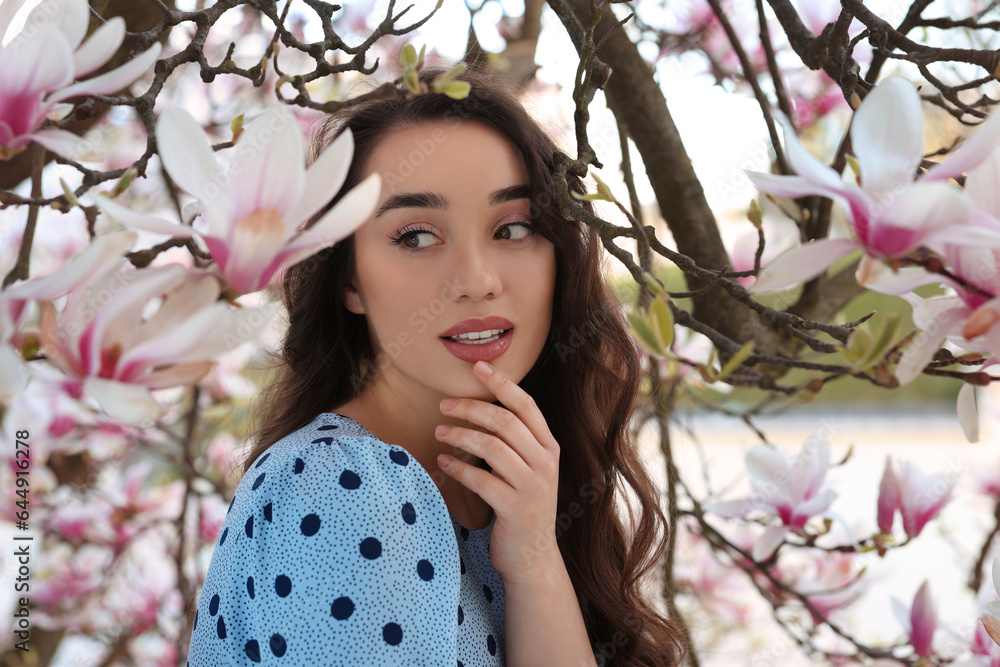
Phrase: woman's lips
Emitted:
{"points": [[473, 352]]}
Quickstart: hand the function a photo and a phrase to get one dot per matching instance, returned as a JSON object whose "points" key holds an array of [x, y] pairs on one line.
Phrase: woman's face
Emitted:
{"points": [[448, 242]]}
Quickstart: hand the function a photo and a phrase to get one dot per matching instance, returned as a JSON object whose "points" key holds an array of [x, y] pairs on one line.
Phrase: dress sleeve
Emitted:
{"points": [[336, 551]]}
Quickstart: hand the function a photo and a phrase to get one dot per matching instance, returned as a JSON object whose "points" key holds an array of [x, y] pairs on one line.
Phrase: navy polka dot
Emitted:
{"points": [[392, 634], [349, 479], [310, 525], [341, 538], [342, 608], [278, 645], [282, 585], [371, 548], [253, 650]]}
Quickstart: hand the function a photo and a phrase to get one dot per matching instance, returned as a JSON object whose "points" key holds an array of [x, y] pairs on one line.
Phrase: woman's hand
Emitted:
{"points": [[522, 488]]}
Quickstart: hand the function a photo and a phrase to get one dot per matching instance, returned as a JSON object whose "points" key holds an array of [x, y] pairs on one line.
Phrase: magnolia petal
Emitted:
{"points": [[816, 505], [70, 17], [876, 275], [804, 163], [926, 206], [901, 612], [126, 403], [243, 326], [923, 347], [103, 255], [271, 162], [968, 415], [178, 375], [981, 182], [802, 264], [113, 81], [198, 293], [352, 211], [996, 583], [8, 8], [768, 542], [187, 154], [179, 343], [14, 373], [887, 136], [57, 343], [137, 220], [100, 46], [117, 321], [59, 111], [974, 149], [255, 240], [888, 497], [816, 455], [324, 176], [797, 186], [731, 508], [33, 66], [992, 625], [923, 621], [66, 144]]}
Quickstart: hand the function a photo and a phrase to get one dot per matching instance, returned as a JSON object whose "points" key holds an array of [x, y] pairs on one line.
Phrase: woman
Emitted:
{"points": [[465, 285]]}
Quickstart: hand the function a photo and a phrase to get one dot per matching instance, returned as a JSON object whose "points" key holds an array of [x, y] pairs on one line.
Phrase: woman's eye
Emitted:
{"points": [[528, 230], [404, 238]]}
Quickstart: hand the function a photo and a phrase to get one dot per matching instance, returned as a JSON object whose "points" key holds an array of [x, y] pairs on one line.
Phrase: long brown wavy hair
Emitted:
{"points": [[585, 381]]}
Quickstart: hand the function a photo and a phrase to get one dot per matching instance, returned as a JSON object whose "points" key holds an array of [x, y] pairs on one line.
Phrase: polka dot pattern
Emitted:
{"points": [[336, 549]]}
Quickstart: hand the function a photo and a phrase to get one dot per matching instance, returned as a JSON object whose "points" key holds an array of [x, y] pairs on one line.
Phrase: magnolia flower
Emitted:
{"points": [[970, 315], [991, 616], [918, 499], [39, 65], [788, 488], [13, 371], [920, 622], [253, 208], [890, 213], [105, 337]]}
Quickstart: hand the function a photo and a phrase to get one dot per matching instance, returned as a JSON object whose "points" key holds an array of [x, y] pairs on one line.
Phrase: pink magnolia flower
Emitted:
{"points": [[917, 498], [105, 337], [13, 371], [790, 488], [890, 213], [920, 622], [991, 616], [253, 208], [39, 65]]}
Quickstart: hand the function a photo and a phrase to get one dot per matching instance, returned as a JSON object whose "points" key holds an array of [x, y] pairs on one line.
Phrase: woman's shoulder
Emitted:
{"points": [[334, 454]]}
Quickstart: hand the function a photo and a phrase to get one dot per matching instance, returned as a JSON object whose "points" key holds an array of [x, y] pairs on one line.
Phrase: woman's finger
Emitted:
{"points": [[502, 458]]}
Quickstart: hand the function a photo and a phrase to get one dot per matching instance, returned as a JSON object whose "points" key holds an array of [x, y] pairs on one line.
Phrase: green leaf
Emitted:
{"points": [[124, 182], [661, 320], [237, 125], [855, 165], [641, 332], [603, 189], [408, 56], [444, 79], [457, 90], [412, 81], [420, 58], [68, 193], [755, 215], [736, 360]]}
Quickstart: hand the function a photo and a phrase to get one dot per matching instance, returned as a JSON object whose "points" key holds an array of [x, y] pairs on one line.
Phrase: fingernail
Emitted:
{"points": [[448, 403], [484, 368], [442, 430]]}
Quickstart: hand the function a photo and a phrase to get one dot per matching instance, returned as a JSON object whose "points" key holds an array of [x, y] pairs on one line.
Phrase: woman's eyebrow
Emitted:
{"points": [[436, 201]]}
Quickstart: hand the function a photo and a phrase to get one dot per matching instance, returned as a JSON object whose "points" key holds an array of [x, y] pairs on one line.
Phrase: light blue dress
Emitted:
{"points": [[338, 549]]}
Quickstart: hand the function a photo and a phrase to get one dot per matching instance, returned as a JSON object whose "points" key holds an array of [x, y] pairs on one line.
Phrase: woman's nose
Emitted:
{"points": [[476, 274]]}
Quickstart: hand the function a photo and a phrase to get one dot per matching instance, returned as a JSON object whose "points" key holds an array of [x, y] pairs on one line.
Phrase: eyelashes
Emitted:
{"points": [[407, 232]]}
